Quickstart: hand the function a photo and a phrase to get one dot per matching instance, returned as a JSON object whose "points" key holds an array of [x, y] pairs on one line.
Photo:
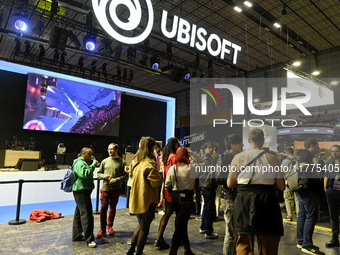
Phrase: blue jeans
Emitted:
{"points": [[309, 203], [209, 210], [333, 199]]}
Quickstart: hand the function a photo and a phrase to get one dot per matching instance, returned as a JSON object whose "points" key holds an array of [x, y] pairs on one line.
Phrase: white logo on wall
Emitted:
{"points": [[106, 13]]}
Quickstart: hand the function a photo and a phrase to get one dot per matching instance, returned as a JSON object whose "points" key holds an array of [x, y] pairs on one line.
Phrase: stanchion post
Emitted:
{"points": [[18, 221], [97, 197]]}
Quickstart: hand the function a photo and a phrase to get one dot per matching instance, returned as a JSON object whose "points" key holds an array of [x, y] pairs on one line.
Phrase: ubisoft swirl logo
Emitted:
{"points": [[102, 8]]}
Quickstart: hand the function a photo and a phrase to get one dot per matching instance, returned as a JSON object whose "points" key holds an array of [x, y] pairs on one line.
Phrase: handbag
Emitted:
{"points": [[185, 207]]}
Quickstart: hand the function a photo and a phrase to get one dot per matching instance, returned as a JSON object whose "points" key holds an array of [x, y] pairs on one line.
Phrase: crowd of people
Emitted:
{"points": [[250, 199]]}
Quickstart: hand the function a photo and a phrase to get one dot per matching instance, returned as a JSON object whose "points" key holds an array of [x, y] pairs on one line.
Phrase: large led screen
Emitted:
{"points": [[65, 106]]}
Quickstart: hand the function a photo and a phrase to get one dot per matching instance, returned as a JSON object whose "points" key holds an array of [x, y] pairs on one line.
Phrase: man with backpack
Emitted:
{"points": [[112, 171], [288, 195], [234, 145], [83, 221], [309, 200]]}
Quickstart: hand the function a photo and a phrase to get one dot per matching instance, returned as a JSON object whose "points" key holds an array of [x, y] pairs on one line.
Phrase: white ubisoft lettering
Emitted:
{"points": [[102, 7]]}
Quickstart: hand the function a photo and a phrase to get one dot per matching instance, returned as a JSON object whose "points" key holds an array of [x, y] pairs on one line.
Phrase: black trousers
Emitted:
{"points": [[83, 218]]}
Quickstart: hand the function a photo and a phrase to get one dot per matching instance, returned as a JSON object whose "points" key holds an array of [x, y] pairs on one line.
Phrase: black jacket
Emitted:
{"points": [[224, 160], [208, 178]]}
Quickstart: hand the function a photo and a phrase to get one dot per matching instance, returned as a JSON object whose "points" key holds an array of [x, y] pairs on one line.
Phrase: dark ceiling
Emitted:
{"points": [[307, 27]]}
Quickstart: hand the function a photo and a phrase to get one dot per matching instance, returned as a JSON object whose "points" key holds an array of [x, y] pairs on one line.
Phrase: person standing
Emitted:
{"points": [[169, 159], [288, 195], [309, 200], [208, 185], [234, 145], [144, 192], [256, 208], [332, 188], [112, 171], [82, 188]]}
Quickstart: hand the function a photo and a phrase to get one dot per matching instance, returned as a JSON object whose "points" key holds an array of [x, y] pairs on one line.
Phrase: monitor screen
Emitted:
{"points": [[59, 105]]}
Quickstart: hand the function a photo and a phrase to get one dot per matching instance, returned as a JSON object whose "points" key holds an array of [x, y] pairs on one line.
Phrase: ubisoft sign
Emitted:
{"points": [[196, 37]]}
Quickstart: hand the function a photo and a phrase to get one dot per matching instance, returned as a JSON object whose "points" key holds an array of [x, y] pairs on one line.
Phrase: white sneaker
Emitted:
{"points": [[202, 231], [299, 246], [92, 245], [212, 236]]}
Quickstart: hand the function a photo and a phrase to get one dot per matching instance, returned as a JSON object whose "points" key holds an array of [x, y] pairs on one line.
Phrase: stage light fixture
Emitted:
{"points": [[63, 58], [277, 25], [315, 73], [89, 42], [94, 66], [124, 74], [17, 46], [55, 55], [247, 3], [197, 60], [131, 75], [334, 83], [27, 47], [284, 11], [144, 60], [118, 52], [131, 54], [21, 23], [119, 73], [154, 63], [238, 9], [297, 63], [169, 51], [104, 69], [186, 73]]}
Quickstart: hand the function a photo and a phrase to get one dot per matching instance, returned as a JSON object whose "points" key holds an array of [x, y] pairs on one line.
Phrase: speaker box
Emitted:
{"points": [[176, 74], [29, 166], [59, 38]]}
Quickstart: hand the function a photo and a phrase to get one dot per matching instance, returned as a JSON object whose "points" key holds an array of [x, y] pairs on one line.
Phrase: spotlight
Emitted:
{"points": [[169, 51], [284, 11], [315, 73], [17, 46], [119, 73], [334, 83], [238, 9], [131, 75], [297, 63], [186, 73], [277, 25], [27, 47], [21, 23], [89, 42], [144, 60], [124, 74], [154, 63]]}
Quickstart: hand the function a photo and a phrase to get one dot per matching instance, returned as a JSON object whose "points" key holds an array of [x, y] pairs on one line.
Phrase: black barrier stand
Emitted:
{"points": [[97, 198], [18, 221]]}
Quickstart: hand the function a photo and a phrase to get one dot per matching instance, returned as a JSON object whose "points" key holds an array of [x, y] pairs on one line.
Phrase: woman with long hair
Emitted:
{"points": [[183, 184], [168, 159], [144, 192]]}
